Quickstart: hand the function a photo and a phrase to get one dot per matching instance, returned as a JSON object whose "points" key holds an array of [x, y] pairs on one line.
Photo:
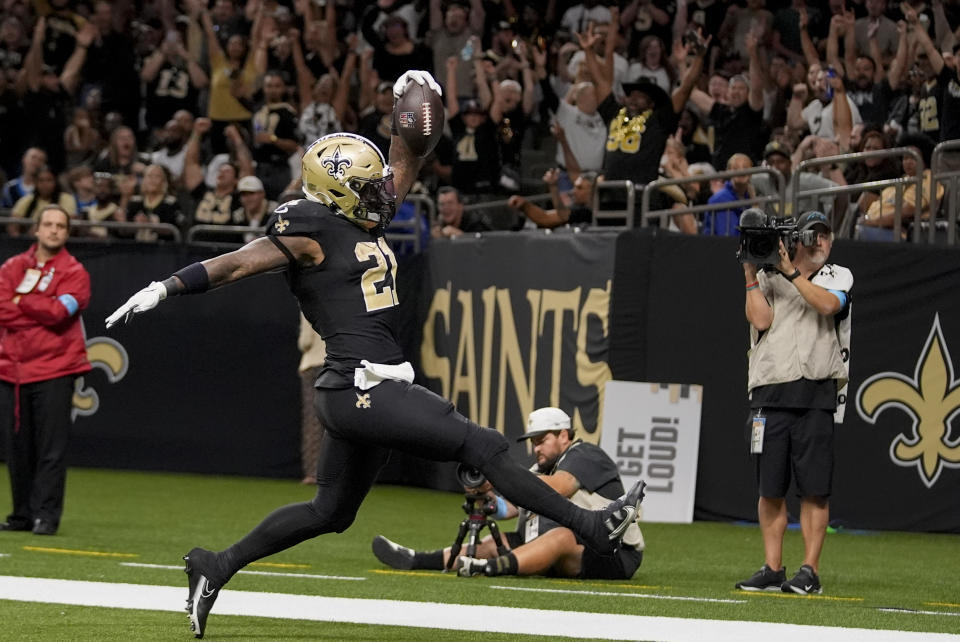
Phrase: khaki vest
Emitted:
{"points": [[801, 342]]}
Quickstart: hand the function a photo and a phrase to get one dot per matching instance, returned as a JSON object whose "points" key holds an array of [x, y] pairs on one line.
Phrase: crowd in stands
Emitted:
{"points": [[189, 112]]}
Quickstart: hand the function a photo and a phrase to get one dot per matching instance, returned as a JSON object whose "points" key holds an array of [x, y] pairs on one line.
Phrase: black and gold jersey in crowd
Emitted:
{"points": [[635, 143], [350, 299], [279, 119]]}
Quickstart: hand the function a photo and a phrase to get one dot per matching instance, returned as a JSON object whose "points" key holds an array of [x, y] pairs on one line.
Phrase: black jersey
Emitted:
{"points": [[635, 143], [950, 101], [278, 119], [351, 298], [169, 91]]}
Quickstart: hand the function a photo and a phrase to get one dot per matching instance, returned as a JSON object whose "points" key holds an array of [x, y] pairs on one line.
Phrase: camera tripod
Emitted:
{"points": [[478, 509]]}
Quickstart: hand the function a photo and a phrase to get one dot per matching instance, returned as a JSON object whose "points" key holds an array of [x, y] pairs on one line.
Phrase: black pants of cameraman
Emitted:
{"points": [[620, 565]]}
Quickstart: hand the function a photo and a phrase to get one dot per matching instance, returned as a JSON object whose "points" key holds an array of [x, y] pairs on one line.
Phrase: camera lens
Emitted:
{"points": [[761, 245], [470, 476]]}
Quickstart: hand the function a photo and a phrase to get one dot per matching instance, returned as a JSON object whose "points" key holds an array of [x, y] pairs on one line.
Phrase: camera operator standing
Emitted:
{"points": [[799, 315]]}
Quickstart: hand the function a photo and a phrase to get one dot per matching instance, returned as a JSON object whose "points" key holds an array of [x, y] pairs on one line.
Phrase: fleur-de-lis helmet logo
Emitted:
{"points": [[336, 164], [931, 399]]}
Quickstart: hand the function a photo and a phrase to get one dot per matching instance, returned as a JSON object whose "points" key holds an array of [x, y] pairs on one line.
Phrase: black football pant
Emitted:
{"points": [[36, 447], [361, 429]]}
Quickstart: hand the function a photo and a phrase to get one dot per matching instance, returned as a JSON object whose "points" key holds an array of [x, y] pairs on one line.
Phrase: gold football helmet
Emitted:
{"points": [[348, 174]]}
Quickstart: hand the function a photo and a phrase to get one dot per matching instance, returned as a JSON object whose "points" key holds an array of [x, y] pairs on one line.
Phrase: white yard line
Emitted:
{"points": [[268, 573], [647, 596], [890, 609], [441, 616]]}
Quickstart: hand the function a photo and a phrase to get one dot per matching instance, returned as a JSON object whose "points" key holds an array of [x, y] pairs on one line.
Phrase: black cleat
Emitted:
{"points": [[623, 511], [201, 592], [804, 582], [766, 579], [392, 554], [613, 521], [15, 526]]}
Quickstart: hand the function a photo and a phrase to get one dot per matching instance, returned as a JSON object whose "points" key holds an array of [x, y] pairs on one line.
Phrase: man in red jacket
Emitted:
{"points": [[42, 350]]}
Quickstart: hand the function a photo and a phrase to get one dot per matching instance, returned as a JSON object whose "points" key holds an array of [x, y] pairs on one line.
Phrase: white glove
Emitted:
{"points": [[419, 77], [145, 299]]}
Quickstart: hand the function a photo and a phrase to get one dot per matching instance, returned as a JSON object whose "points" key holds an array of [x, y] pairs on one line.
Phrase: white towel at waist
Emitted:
{"points": [[372, 374]]}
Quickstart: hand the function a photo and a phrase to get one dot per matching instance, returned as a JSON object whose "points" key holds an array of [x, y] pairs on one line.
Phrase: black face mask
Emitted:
{"points": [[377, 196]]}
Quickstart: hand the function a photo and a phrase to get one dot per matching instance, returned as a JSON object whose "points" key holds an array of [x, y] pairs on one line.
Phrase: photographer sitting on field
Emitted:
{"points": [[579, 470]]}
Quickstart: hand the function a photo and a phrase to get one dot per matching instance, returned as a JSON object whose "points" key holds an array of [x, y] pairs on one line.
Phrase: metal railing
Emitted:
{"points": [[502, 205], [945, 212], [607, 215], [423, 203], [132, 227], [646, 214], [410, 230], [951, 180], [544, 200], [839, 190], [401, 231], [485, 205], [232, 232], [848, 226], [479, 207]]}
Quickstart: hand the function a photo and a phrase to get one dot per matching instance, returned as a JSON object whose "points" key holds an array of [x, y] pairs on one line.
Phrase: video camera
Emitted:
{"points": [[760, 237]]}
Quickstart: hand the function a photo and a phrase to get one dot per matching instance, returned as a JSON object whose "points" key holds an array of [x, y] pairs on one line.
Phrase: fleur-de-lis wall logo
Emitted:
{"points": [[931, 399], [107, 355]]}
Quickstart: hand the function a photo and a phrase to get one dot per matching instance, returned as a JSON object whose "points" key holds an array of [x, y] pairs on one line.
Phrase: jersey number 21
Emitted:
{"points": [[378, 282]]}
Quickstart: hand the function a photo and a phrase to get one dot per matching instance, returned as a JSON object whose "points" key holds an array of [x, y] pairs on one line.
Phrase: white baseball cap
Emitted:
{"points": [[250, 184], [544, 420]]}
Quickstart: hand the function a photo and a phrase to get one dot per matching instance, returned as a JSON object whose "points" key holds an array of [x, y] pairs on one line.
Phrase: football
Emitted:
{"points": [[418, 117]]}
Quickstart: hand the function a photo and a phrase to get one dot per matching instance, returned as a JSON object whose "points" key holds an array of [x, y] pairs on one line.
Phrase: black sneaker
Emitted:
{"points": [[393, 554], [15, 526], [470, 566], [201, 592], [44, 527], [766, 579], [804, 582]]}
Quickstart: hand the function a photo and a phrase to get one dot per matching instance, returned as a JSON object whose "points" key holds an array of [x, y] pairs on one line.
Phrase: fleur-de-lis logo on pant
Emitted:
{"points": [[363, 401], [931, 399], [281, 224]]}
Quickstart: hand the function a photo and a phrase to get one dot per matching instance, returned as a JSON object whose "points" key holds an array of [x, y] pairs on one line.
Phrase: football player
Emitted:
{"points": [[343, 274]]}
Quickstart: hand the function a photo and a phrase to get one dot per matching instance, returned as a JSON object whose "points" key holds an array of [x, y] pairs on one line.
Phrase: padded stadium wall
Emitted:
{"points": [[509, 322]]}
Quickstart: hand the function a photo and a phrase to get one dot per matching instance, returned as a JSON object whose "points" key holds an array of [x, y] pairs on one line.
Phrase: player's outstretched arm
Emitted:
{"points": [[256, 257]]}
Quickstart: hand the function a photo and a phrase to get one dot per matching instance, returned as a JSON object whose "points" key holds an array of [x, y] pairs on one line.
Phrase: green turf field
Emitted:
{"points": [[116, 518]]}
